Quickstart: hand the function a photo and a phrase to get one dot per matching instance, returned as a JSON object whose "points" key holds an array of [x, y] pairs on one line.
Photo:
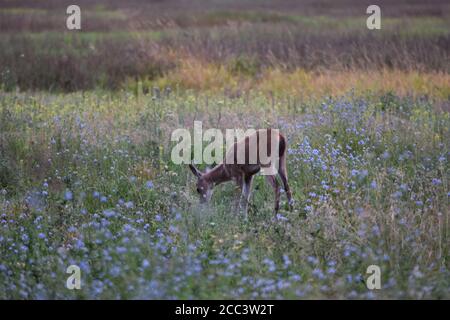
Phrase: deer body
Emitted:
{"points": [[242, 172]]}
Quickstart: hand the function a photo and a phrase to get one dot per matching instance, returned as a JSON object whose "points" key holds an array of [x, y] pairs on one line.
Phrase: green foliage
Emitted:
{"points": [[88, 181]]}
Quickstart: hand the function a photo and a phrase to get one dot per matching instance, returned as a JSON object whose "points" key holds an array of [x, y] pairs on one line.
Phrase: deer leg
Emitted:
{"points": [[284, 179], [276, 188], [237, 204], [246, 192]]}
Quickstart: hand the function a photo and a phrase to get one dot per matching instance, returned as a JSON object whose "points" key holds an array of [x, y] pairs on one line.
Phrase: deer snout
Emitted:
{"points": [[203, 198], [206, 196]]}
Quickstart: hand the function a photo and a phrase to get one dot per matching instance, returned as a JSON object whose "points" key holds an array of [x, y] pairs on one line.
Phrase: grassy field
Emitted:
{"points": [[86, 176], [241, 44], [89, 182]]}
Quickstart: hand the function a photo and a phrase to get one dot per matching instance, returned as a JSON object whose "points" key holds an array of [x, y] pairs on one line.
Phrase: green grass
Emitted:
{"points": [[86, 177], [23, 11], [369, 176]]}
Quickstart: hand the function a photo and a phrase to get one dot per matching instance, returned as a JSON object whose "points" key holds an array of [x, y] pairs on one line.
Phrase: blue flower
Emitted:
{"points": [[436, 181], [286, 261], [25, 238], [331, 270], [270, 264], [121, 250], [115, 271], [79, 244], [145, 264], [313, 260], [109, 213], [129, 204], [318, 273], [331, 263], [397, 194], [127, 228], [363, 173], [149, 184], [296, 277], [68, 195]]}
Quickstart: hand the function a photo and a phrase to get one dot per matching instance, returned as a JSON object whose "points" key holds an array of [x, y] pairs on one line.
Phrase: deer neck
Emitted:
{"points": [[218, 175]]}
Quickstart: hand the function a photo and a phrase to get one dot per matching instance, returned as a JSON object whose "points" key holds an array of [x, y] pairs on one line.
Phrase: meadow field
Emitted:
{"points": [[86, 176]]}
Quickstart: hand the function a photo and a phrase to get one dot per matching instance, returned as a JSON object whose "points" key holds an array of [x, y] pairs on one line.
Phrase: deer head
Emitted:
{"points": [[204, 184]]}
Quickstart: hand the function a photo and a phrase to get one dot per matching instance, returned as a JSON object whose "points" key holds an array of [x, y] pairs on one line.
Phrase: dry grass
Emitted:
{"points": [[404, 83], [204, 76], [230, 44]]}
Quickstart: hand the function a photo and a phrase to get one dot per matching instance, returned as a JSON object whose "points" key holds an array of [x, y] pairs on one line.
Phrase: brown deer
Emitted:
{"points": [[242, 174]]}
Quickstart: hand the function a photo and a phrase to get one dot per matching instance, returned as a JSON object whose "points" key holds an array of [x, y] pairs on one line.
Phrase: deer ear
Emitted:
{"points": [[195, 171]]}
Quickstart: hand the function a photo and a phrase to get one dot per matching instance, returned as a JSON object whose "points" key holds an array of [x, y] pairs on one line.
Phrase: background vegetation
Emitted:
{"points": [[238, 45]]}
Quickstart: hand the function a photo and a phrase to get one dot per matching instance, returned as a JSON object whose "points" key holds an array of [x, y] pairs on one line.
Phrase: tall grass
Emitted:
{"points": [[86, 176], [238, 79], [86, 181]]}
